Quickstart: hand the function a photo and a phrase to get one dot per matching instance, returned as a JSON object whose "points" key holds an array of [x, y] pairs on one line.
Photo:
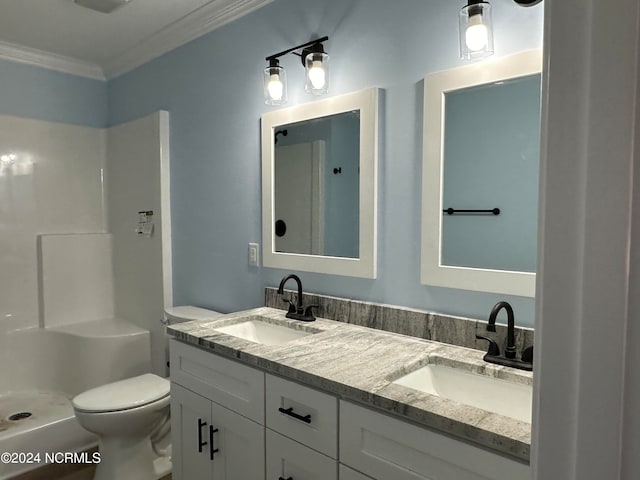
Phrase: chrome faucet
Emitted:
{"points": [[509, 359], [297, 311]]}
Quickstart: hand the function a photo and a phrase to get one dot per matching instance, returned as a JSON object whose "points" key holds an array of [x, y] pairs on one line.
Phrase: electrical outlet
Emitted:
{"points": [[254, 255]]}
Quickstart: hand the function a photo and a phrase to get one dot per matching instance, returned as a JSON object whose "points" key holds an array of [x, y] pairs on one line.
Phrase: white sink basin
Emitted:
{"points": [[258, 331], [492, 394]]}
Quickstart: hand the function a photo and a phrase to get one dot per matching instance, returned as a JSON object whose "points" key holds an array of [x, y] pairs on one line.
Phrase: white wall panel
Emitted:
{"points": [[137, 180], [53, 185]]}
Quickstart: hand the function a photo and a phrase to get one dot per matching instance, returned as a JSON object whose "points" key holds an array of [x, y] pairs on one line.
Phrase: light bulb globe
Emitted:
{"points": [[477, 36], [275, 88], [317, 73], [275, 85]]}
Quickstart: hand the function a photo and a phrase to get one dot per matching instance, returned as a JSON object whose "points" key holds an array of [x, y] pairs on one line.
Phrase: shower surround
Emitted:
{"points": [[62, 310]]}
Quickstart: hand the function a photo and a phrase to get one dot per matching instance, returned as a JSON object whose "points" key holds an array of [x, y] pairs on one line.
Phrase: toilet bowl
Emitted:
{"points": [[124, 415], [131, 418]]}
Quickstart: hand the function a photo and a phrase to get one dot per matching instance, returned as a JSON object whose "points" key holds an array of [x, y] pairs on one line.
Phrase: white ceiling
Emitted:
{"points": [[103, 45]]}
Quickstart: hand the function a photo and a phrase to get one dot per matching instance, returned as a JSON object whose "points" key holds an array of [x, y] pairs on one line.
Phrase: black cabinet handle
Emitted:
{"points": [[282, 478], [289, 411], [201, 444], [211, 449]]}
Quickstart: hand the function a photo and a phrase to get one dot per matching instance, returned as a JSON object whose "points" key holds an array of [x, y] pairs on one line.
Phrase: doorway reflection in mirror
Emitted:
{"points": [[316, 183]]}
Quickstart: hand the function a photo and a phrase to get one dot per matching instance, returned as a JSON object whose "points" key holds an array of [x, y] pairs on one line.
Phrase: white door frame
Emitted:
{"points": [[587, 305]]}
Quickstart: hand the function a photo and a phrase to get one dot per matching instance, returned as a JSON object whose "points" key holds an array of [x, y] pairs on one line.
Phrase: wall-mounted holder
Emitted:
{"points": [[453, 211], [283, 132]]}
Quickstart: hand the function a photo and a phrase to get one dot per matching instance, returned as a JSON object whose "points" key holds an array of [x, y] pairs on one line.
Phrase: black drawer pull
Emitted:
{"points": [[289, 411], [211, 449], [282, 478], [201, 444]]}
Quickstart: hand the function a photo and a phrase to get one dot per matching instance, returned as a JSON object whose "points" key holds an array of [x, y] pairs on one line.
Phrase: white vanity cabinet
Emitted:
{"points": [[390, 449], [217, 416], [233, 422]]}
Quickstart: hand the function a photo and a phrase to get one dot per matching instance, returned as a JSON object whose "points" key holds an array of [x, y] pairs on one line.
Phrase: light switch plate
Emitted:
{"points": [[254, 256]]}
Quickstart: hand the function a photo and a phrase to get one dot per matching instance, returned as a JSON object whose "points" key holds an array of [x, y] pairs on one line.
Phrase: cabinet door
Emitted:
{"points": [[390, 449], [238, 446], [190, 420], [288, 459]]}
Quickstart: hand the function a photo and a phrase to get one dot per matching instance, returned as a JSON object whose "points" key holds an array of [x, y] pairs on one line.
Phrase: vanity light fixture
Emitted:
{"points": [[104, 6], [527, 3], [275, 83], [316, 63], [476, 30]]}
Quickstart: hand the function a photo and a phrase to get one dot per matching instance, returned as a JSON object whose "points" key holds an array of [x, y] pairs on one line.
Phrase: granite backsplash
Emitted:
{"points": [[416, 323]]}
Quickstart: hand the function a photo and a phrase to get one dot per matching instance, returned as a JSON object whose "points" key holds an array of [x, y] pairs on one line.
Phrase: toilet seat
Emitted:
{"points": [[123, 395]]}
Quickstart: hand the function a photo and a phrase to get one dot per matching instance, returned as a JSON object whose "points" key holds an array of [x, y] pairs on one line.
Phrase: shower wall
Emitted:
{"points": [[138, 180], [58, 178], [51, 181]]}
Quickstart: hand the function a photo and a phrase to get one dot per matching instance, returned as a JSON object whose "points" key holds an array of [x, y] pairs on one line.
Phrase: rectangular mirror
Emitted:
{"points": [[319, 182], [481, 159]]}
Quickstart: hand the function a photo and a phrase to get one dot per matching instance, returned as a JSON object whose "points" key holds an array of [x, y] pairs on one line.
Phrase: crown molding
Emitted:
{"points": [[51, 61], [207, 18]]}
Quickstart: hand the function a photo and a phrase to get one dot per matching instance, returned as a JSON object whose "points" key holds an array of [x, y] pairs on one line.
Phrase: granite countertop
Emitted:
{"points": [[358, 364]]}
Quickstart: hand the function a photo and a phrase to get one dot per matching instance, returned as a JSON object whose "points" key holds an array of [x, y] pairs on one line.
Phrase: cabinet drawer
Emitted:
{"points": [[388, 448], [228, 383], [319, 430], [288, 459], [345, 473]]}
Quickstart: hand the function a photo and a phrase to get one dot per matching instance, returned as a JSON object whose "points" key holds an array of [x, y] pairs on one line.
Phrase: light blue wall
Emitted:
{"points": [[212, 88], [33, 92], [492, 160], [342, 202]]}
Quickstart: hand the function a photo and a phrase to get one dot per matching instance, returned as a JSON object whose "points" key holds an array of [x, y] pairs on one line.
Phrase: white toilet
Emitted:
{"points": [[124, 415], [132, 416]]}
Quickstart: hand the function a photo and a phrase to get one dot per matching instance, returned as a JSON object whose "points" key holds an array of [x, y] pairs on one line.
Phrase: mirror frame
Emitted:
{"points": [[365, 266], [436, 85]]}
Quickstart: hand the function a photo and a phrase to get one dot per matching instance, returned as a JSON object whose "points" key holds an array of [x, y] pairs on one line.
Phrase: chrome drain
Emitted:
{"points": [[19, 416]]}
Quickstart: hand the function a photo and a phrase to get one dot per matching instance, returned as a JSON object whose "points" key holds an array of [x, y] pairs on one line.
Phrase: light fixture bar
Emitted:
{"points": [[299, 47], [103, 6]]}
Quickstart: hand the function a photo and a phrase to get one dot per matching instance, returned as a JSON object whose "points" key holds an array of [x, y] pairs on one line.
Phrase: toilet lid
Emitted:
{"points": [[123, 395]]}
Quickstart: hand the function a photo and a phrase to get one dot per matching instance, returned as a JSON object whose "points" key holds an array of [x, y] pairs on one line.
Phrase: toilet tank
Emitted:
{"points": [[180, 314], [188, 313]]}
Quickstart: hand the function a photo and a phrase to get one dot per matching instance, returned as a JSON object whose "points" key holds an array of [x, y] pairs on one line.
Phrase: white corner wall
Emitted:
{"points": [[585, 423], [138, 180]]}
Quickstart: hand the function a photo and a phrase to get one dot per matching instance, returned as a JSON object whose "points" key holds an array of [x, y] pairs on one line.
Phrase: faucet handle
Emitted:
{"points": [[494, 349], [292, 306], [527, 354], [308, 310]]}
